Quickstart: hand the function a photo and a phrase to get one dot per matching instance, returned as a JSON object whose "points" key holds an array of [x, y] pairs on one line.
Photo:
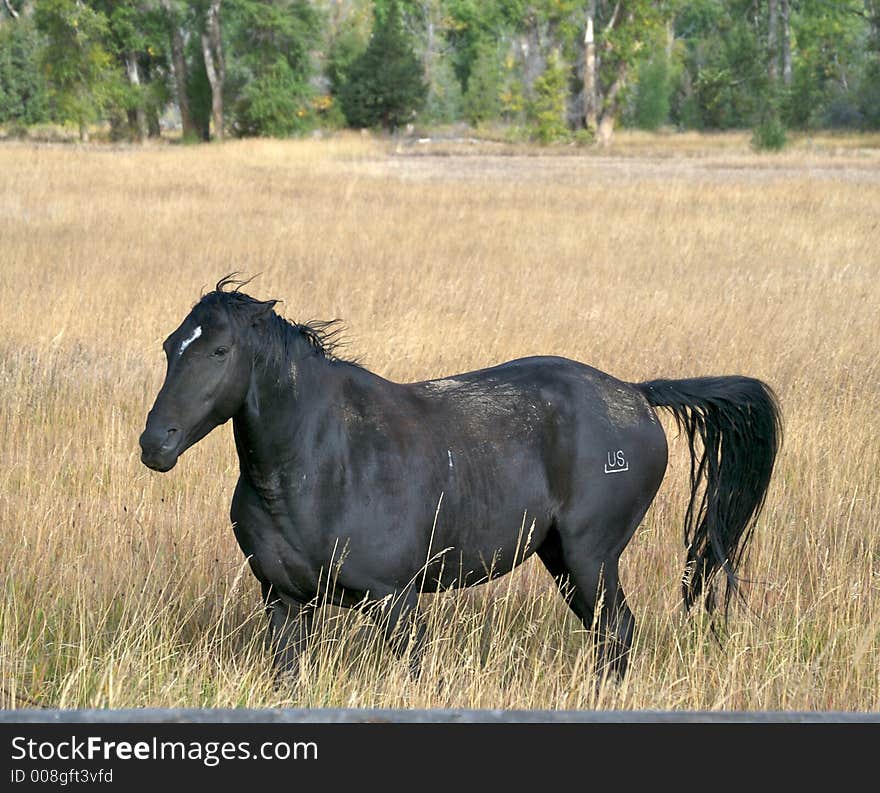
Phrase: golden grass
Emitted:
{"points": [[123, 587]]}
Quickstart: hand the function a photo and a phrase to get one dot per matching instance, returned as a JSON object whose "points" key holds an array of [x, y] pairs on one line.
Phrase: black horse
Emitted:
{"points": [[397, 488]]}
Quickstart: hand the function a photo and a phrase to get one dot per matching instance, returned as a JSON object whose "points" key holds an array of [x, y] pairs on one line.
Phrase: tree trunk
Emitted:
{"points": [[178, 68], [216, 88], [773, 42], [212, 50], [786, 42], [610, 108], [611, 100], [154, 128], [591, 99], [138, 115], [428, 59], [605, 131], [433, 20]]}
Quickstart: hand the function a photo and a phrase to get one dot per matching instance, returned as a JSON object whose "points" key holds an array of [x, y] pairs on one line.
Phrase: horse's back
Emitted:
{"points": [[563, 443]]}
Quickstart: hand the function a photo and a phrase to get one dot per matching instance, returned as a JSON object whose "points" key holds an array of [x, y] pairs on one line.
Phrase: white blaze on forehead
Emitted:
{"points": [[193, 336]]}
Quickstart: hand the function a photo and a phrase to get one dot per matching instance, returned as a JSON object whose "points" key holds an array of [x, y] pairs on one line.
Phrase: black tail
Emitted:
{"points": [[739, 425]]}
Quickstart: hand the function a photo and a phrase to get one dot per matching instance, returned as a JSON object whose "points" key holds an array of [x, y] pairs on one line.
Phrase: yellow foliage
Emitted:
{"points": [[322, 103]]}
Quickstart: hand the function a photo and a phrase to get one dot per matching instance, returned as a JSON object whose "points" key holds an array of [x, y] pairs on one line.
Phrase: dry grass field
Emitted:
{"points": [[125, 588]]}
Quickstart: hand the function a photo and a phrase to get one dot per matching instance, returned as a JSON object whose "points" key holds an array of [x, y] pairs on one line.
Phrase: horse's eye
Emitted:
{"points": [[221, 351]]}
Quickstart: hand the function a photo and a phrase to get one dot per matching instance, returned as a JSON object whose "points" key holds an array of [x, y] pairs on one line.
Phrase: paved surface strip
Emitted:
{"points": [[354, 715]]}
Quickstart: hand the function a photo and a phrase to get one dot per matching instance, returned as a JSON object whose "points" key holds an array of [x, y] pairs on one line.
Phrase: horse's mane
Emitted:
{"points": [[278, 334]]}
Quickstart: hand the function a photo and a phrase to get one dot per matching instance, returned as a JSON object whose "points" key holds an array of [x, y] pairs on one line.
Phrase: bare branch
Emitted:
{"points": [[12, 12], [612, 23]]}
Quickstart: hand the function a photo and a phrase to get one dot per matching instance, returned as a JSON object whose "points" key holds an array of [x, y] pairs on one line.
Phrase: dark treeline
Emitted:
{"points": [[546, 69]]}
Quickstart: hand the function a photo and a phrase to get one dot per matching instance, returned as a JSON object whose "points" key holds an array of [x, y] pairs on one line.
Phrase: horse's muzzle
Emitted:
{"points": [[160, 448]]}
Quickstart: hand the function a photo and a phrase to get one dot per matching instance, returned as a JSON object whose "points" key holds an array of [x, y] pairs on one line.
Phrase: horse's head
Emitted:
{"points": [[208, 375]]}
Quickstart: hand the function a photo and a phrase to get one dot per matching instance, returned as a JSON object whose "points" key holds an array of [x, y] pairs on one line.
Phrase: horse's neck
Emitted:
{"points": [[288, 407], [279, 404]]}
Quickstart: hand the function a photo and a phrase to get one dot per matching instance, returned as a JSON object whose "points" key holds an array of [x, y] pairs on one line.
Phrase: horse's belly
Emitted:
{"points": [[476, 547]]}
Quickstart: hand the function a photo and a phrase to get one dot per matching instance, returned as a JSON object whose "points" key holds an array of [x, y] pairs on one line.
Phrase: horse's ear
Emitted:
{"points": [[261, 311]]}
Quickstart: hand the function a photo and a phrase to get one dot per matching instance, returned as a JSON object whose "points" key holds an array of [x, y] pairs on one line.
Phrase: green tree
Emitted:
{"points": [[80, 70], [24, 93], [198, 87], [829, 60], [475, 26], [346, 45], [620, 31], [482, 100], [385, 84], [136, 39], [274, 103], [653, 89], [268, 65], [798, 63], [443, 101], [723, 81], [869, 89], [429, 24]]}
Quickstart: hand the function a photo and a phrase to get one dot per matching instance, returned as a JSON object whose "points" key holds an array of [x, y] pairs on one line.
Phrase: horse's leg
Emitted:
{"points": [[550, 553], [287, 635], [587, 581], [404, 628], [616, 622]]}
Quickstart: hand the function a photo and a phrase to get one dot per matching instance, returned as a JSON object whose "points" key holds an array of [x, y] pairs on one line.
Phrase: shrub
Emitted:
{"points": [[548, 108], [274, 104], [769, 134]]}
